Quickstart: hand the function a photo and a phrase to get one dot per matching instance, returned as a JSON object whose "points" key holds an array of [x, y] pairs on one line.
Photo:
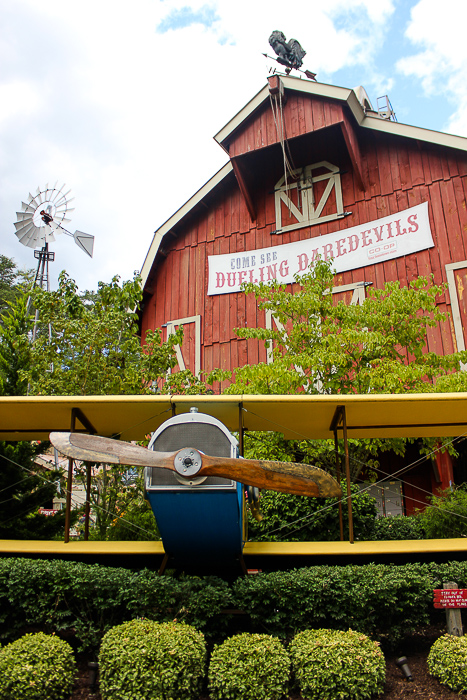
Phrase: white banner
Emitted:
{"points": [[384, 239]]}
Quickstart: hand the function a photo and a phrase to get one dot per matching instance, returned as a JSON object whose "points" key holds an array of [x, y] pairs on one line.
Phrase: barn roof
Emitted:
{"points": [[361, 117]]}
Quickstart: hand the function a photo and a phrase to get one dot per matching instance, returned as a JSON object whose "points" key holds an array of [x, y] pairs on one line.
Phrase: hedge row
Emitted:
{"points": [[383, 601]]}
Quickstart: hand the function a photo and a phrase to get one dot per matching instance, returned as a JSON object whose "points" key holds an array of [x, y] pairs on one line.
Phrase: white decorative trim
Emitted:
{"points": [[172, 327], [455, 311], [307, 211]]}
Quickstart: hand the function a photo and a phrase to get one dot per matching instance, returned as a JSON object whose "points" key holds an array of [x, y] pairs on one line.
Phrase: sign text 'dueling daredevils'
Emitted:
{"points": [[400, 234]]}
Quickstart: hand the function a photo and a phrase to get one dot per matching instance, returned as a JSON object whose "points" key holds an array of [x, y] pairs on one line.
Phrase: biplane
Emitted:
{"points": [[201, 512]]}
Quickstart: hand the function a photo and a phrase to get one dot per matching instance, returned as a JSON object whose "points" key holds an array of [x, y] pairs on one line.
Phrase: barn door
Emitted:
{"points": [[456, 274], [189, 354]]}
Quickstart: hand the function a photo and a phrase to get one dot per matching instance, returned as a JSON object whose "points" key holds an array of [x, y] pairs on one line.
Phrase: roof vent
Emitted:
{"points": [[363, 98]]}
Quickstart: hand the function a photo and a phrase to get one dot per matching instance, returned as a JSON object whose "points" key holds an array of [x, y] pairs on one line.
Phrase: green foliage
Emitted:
{"points": [[15, 348], [94, 347], [300, 519], [37, 667], [384, 601], [447, 515], [145, 660], [24, 487], [398, 527], [12, 281], [334, 664], [90, 599], [253, 666], [87, 344], [447, 661], [323, 347]]}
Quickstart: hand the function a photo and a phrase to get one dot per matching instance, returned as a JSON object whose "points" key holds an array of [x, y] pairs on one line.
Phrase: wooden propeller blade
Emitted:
{"points": [[287, 477]]}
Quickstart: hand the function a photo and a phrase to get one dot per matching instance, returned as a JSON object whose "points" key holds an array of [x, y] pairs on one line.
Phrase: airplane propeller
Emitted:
{"points": [[286, 477]]}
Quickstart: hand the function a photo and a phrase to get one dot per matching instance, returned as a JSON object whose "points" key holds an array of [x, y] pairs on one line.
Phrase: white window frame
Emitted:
{"points": [[455, 310], [308, 212], [171, 329]]}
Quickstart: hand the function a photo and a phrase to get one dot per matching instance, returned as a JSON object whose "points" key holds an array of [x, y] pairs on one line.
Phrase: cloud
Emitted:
{"points": [[121, 102], [186, 16], [440, 60]]}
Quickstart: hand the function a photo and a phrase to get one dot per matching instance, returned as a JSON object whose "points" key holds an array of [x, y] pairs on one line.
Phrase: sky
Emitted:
{"points": [[120, 101]]}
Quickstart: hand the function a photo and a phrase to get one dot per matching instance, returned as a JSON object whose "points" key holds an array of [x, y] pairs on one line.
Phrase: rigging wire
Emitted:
{"points": [[101, 508], [345, 499]]}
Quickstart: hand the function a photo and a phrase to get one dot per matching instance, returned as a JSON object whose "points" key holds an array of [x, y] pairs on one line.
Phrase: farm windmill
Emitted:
{"points": [[41, 218]]}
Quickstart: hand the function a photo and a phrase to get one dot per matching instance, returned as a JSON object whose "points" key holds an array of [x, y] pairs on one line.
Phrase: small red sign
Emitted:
{"points": [[450, 597]]}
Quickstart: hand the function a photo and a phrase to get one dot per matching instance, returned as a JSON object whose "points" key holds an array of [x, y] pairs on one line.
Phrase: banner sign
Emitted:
{"points": [[400, 234]]}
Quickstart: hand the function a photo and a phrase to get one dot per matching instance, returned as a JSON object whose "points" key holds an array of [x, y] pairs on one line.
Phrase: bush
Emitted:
{"points": [[49, 595], [334, 664], [447, 661], [147, 660], [37, 667], [398, 527], [253, 666], [290, 518], [386, 602], [447, 515]]}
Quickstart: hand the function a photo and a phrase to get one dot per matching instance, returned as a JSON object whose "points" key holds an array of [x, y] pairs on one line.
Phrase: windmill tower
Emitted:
{"points": [[41, 218]]}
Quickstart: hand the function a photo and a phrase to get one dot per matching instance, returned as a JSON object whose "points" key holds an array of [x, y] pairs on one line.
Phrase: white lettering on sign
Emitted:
{"points": [[384, 239]]}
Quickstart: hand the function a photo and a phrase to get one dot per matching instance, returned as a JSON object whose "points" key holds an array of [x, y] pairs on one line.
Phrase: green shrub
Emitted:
{"points": [[447, 515], [331, 664], [37, 667], [147, 660], [290, 518], [398, 527], [447, 661], [253, 666], [384, 601]]}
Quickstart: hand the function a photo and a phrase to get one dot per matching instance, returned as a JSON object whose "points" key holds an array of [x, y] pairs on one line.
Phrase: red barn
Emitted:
{"points": [[313, 170]]}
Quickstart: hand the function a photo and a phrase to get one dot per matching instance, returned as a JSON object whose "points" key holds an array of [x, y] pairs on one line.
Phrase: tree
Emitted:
{"points": [[15, 347], [86, 343], [94, 346], [24, 488], [320, 347], [290, 518], [447, 515], [12, 281]]}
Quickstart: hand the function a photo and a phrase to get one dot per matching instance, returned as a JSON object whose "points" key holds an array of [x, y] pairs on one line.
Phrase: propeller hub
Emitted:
{"points": [[188, 462]]}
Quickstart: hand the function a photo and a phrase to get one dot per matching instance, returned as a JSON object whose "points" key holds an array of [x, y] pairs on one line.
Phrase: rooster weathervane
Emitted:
{"points": [[289, 53]]}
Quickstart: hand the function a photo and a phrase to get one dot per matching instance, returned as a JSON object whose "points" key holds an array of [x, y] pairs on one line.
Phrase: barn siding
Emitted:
{"points": [[398, 173]]}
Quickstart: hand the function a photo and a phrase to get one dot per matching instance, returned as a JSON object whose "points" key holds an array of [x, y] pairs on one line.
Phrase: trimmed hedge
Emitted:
{"points": [[447, 661], [335, 664], [398, 527], [145, 660], [383, 601], [37, 667], [253, 666]]}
